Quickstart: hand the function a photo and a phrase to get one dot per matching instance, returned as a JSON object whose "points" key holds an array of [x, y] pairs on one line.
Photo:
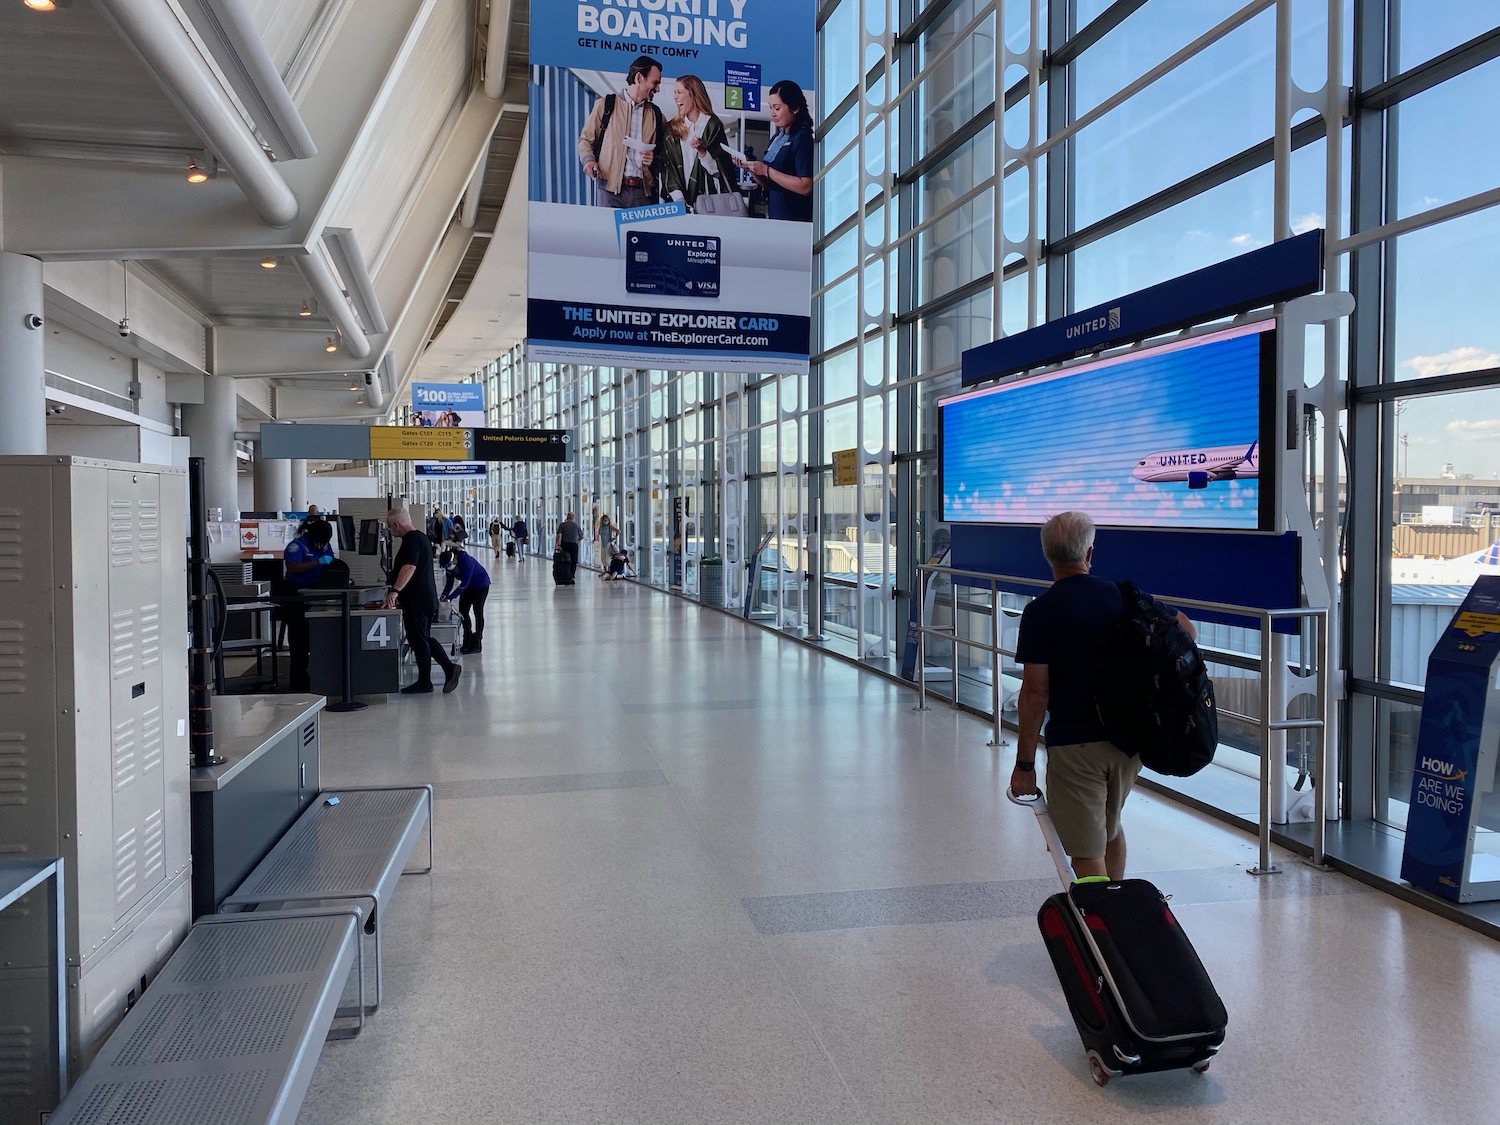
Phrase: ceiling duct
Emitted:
{"points": [[237, 47]]}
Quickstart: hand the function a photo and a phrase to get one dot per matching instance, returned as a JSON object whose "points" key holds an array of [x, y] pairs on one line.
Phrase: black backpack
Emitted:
{"points": [[1157, 702]]}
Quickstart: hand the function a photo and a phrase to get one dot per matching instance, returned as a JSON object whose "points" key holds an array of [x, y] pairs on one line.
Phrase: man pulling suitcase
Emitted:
{"points": [[1139, 995], [1062, 645]]}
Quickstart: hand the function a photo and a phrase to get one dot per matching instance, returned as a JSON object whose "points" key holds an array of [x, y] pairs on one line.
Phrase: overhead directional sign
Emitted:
{"points": [[426, 443], [522, 445], [845, 467]]}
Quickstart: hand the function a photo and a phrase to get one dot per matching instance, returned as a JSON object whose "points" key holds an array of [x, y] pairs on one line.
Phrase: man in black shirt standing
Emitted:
{"points": [[1061, 641], [412, 584], [569, 536]]}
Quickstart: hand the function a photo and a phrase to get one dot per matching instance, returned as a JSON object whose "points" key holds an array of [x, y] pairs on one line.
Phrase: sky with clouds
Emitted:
{"points": [[1027, 450], [1444, 301]]}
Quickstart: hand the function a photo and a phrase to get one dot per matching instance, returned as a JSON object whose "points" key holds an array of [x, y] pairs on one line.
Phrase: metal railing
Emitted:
{"points": [[1315, 617]]}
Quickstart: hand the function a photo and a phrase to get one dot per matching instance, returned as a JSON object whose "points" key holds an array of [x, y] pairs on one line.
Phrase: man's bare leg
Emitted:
{"points": [[1114, 857]]}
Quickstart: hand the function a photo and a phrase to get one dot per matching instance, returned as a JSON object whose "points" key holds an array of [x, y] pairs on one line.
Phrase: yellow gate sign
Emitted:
{"points": [[845, 467], [420, 443]]}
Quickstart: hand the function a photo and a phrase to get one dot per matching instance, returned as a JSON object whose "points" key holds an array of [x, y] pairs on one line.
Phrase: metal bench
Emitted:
{"points": [[231, 1029], [349, 844]]}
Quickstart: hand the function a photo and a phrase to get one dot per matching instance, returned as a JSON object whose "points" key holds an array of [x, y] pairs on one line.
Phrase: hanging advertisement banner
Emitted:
{"points": [[671, 185], [448, 406]]}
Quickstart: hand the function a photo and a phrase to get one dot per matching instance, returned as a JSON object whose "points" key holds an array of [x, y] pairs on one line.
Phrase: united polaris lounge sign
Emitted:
{"points": [[1279, 272]]}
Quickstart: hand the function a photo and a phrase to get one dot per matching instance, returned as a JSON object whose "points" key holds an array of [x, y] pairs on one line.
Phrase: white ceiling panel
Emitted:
{"points": [[70, 80], [420, 101], [286, 26]]}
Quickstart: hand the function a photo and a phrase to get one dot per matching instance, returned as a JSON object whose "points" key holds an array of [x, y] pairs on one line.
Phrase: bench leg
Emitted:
{"points": [[358, 1012]]}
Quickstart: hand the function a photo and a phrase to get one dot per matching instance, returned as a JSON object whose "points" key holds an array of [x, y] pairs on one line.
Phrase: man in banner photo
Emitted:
{"points": [[645, 248], [619, 140]]}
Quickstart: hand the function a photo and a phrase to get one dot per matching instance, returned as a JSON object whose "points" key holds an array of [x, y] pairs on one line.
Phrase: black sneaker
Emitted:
{"points": [[450, 681], [418, 688]]}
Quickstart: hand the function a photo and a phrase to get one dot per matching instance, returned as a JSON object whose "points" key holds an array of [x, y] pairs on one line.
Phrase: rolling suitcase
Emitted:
{"points": [[1138, 993], [562, 568]]}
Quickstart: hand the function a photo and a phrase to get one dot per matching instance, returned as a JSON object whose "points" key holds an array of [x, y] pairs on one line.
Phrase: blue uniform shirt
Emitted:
{"points": [[467, 573], [299, 550], [790, 153]]}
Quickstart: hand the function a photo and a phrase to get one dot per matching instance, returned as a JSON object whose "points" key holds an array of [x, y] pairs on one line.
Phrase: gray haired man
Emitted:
{"points": [[1061, 641]]}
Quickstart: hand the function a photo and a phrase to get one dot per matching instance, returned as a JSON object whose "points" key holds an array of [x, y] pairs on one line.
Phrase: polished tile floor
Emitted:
{"points": [[690, 872]]}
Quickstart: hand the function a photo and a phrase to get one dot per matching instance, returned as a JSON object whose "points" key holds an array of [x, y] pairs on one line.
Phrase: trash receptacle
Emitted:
{"points": [[711, 582]]}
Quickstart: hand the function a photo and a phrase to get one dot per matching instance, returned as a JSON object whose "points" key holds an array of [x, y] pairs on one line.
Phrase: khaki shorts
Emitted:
{"points": [[1087, 784]]}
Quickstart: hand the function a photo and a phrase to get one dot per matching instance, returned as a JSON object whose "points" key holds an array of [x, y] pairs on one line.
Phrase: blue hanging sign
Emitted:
{"points": [[1279, 272]]}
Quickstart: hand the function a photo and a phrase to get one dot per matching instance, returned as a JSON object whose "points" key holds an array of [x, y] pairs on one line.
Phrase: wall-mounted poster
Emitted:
{"points": [[671, 169], [448, 406]]}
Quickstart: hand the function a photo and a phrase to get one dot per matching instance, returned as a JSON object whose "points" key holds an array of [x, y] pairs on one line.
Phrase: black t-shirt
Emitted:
{"points": [[1065, 630], [420, 594]]}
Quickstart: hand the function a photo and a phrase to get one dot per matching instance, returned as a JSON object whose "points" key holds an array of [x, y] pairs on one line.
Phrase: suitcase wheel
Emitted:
{"points": [[1200, 1067], [1101, 1073]]}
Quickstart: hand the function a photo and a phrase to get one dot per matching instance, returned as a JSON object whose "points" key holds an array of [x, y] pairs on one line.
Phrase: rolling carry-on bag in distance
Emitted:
{"points": [[562, 568], [1140, 996]]}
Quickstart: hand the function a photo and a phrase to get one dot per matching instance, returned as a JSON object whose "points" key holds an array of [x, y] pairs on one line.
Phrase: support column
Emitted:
{"points": [[23, 386], [273, 484], [210, 430], [299, 483]]}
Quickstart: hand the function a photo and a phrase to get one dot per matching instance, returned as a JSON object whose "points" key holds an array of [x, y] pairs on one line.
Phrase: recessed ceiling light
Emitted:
{"points": [[268, 263], [46, 5]]}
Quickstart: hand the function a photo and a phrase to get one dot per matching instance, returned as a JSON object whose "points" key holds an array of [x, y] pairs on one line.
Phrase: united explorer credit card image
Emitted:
{"points": [[671, 265]]}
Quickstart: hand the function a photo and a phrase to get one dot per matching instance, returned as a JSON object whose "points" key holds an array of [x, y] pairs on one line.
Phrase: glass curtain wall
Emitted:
{"points": [[986, 165]]}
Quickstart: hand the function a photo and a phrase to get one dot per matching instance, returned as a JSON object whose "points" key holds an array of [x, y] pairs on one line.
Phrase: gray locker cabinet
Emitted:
{"points": [[94, 758]]}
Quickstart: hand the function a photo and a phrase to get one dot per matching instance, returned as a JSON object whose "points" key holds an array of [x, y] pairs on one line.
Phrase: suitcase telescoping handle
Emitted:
{"points": [[1037, 803]]}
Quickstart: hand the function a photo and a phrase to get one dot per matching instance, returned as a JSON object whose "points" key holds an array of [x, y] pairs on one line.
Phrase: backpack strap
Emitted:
{"points": [[609, 112]]}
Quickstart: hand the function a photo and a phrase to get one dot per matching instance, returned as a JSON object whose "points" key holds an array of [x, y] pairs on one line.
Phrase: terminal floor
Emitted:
{"points": [[690, 872]]}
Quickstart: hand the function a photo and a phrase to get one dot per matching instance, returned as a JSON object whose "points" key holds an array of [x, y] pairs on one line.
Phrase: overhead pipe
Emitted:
{"points": [[343, 248], [334, 303], [497, 47], [153, 31], [229, 33], [469, 217]]}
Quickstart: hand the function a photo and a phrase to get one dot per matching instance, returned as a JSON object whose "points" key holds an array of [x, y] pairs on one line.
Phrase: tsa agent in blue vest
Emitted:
{"points": [[469, 582], [305, 558]]}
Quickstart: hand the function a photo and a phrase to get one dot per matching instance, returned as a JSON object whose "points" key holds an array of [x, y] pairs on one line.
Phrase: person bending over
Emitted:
{"points": [[469, 582]]}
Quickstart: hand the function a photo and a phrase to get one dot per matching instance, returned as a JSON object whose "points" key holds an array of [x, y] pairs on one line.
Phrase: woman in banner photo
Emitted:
{"points": [[787, 171], [693, 158]]}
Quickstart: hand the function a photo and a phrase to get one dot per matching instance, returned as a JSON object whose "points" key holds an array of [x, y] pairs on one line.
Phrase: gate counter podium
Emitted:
{"points": [[1456, 755]]}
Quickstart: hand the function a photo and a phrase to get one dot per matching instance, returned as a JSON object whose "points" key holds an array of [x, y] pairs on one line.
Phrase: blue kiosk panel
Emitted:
{"points": [[1456, 754]]}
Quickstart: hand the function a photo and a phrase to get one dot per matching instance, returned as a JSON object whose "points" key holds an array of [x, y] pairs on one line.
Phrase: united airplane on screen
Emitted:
{"points": [[1198, 468]]}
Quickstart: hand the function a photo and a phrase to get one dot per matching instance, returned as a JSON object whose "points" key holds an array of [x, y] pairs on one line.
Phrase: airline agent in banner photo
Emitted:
{"points": [[787, 171]]}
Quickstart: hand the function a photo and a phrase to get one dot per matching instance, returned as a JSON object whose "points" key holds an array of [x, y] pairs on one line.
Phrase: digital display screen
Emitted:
{"points": [[1168, 437]]}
